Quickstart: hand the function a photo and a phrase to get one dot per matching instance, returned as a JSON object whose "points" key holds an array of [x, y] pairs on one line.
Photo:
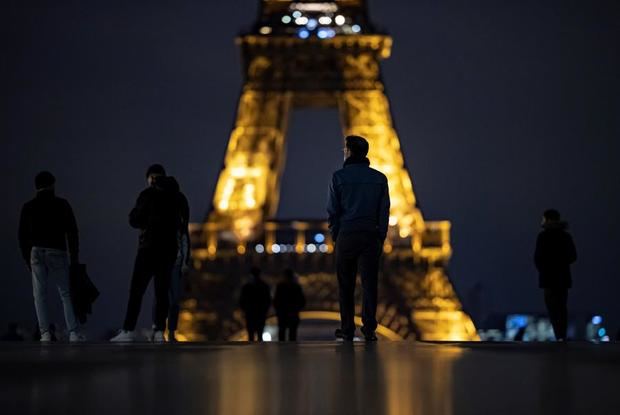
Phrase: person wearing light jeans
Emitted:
{"points": [[47, 227], [52, 266]]}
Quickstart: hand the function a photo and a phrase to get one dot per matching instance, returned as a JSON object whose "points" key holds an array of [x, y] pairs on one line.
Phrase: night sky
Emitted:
{"points": [[503, 108]]}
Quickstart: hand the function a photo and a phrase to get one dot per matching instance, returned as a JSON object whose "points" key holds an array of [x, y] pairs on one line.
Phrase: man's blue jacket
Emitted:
{"points": [[359, 199]]}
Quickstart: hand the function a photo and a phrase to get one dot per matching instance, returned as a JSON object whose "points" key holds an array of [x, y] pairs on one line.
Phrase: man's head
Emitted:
{"points": [[355, 146], [44, 180], [289, 275], [551, 216], [153, 172], [255, 272]]}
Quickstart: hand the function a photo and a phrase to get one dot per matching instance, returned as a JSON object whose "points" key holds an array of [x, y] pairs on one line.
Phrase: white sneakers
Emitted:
{"points": [[46, 337], [124, 336], [75, 337], [158, 337]]}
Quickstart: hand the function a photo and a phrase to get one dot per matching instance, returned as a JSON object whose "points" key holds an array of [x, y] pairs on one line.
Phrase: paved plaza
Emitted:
{"points": [[310, 378]]}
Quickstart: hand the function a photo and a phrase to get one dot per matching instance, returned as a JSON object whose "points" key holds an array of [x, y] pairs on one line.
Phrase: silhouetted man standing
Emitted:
{"points": [[555, 252], [358, 208], [288, 301], [255, 301], [46, 227], [157, 216]]}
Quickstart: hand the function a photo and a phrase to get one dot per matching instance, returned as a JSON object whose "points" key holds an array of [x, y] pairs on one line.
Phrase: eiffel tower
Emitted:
{"points": [[314, 54]]}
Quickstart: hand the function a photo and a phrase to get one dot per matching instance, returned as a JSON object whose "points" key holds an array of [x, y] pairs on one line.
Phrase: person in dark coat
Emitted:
{"points": [[358, 208], [157, 216], [555, 252], [288, 301], [255, 301], [47, 227]]}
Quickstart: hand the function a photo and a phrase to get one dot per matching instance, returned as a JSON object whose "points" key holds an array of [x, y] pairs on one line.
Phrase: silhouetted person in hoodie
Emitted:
{"points": [[359, 209], [555, 252], [47, 227], [288, 301], [157, 216], [255, 301]]}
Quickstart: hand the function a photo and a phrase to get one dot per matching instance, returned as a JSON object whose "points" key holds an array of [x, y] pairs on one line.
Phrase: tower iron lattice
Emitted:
{"points": [[315, 54]]}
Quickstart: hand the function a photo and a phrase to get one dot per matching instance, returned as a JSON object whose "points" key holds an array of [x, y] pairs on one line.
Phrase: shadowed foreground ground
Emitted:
{"points": [[310, 378]]}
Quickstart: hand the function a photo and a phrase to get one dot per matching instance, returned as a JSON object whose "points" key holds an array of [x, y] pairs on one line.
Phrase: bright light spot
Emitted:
{"points": [[283, 248], [241, 249], [311, 248], [393, 220], [605, 339], [266, 337], [403, 233], [265, 30], [304, 34], [296, 14], [356, 28], [597, 320], [286, 19], [312, 23], [322, 34], [275, 248], [259, 248], [323, 248], [340, 20], [300, 21], [602, 332], [319, 238], [325, 20]]}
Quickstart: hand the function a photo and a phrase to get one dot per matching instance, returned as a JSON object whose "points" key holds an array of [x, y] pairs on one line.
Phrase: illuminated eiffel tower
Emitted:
{"points": [[325, 54]]}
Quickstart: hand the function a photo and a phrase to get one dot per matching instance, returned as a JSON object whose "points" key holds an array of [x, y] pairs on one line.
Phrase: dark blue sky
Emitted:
{"points": [[503, 109]]}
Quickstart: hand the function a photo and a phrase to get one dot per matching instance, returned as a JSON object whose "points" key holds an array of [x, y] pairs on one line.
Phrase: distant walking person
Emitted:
{"points": [[157, 216], [181, 264], [358, 208], [46, 227], [555, 252], [255, 301], [288, 301]]}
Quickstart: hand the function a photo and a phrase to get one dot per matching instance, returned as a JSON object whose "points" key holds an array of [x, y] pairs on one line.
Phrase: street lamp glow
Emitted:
{"points": [[340, 20]]}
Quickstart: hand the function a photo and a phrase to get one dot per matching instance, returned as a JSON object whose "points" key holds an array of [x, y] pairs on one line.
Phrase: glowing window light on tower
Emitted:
{"points": [[340, 20]]}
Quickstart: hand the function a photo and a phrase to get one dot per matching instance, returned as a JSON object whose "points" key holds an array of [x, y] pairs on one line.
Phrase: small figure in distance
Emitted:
{"points": [[157, 216], [12, 334], [555, 252], [359, 209], [47, 227], [182, 263], [288, 301], [255, 301]]}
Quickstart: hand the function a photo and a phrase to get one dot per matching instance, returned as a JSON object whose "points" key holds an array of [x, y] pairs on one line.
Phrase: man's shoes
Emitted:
{"points": [[158, 337], [369, 336], [75, 337], [341, 335], [46, 337], [124, 336]]}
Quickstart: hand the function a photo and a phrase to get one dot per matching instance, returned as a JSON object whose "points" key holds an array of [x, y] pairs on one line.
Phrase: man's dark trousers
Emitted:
{"points": [[287, 324], [255, 327], [353, 249], [150, 262], [556, 300]]}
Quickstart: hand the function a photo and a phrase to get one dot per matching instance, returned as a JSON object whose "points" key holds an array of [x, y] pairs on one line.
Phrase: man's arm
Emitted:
{"points": [[185, 230], [333, 209], [139, 214], [23, 234], [384, 211], [72, 234], [538, 253]]}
